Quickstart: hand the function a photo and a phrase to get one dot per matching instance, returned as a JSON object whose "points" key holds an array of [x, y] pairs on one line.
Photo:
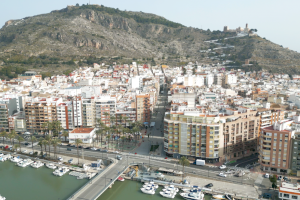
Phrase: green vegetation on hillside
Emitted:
{"points": [[137, 18]]}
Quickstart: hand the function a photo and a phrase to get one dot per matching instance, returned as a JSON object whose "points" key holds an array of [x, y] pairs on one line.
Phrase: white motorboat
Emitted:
{"points": [[218, 196], [168, 194], [16, 159], [25, 163], [51, 166], [37, 164], [151, 184], [171, 188], [2, 198], [5, 157], [193, 195], [148, 190], [1, 154], [61, 171]]}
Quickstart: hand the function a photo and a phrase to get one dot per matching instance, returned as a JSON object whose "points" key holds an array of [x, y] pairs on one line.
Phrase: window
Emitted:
{"points": [[294, 197], [286, 195]]}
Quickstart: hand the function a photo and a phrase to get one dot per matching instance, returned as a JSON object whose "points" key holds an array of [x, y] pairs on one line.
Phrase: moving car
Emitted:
{"points": [[119, 157], [222, 174], [209, 185], [222, 167]]}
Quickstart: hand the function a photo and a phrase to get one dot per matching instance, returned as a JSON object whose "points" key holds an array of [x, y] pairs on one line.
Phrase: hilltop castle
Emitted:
{"points": [[237, 30]]}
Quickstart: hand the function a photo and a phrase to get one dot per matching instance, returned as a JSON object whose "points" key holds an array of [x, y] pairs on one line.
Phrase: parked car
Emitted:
{"points": [[116, 152], [87, 148], [60, 159], [69, 149], [222, 174], [209, 185], [80, 146], [104, 150], [267, 175], [68, 145], [31, 153], [24, 151], [94, 149], [222, 167], [70, 161], [26, 133], [98, 150]]}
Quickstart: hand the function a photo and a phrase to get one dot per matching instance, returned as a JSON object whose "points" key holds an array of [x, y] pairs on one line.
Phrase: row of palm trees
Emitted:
{"points": [[116, 129]]}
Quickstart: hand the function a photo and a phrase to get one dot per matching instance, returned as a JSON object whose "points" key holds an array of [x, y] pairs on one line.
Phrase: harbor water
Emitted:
{"points": [[30, 183], [130, 190]]}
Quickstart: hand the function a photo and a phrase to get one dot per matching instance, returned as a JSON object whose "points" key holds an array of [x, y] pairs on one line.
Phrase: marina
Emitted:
{"points": [[42, 183]]}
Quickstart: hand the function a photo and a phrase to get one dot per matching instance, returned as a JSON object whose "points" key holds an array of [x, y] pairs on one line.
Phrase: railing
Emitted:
{"points": [[89, 182]]}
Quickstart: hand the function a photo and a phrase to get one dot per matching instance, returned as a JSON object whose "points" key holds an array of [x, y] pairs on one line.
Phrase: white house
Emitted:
{"points": [[85, 134]]}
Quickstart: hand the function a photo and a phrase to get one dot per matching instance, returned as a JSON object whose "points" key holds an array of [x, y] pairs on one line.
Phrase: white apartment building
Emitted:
{"points": [[289, 191], [84, 134], [88, 112], [193, 81]]}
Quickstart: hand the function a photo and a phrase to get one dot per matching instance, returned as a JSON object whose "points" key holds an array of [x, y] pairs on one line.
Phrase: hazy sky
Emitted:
{"points": [[276, 20]]}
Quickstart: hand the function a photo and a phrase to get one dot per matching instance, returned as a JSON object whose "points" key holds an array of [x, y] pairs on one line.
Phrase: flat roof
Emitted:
{"points": [[82, 130]]}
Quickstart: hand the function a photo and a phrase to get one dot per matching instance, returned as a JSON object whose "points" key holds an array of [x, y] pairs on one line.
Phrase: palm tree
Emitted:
{"points": [[123, 140], [55, 142], [77, 143], [48, 138], [32, 139], [65, 134], [16, 146], [184, 162], [106, 114], [14, 134], [41, 145], [44, 127], [120, 119], [56, 128], [107, 137], [112, 120], [45, 142], [10, 137], [125, 118], [3, 135], [20, 139]]}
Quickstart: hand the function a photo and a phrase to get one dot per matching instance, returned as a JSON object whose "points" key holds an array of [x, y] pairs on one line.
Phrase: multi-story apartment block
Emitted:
{"points": [[143, 108], [105, 103], [289, 191], [40, 110], [274, 146], [17, 122], [88, 112], [4, 117], [295, 154]]}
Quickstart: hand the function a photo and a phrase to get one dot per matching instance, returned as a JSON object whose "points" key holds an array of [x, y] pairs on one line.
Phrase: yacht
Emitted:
{"points": [[2, 198], [120, 179], [168, 194], [148, 190], [25, 163], [61, 171], [1, 154], [37, 164], [16, 159], [193, 195], [51, 166], [151, 184], [171, 188]]}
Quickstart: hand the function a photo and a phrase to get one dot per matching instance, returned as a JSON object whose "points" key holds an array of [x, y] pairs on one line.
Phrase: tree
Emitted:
{"points": [[106, 115], [123, 140], [273, 180], [55, 143], [10, 137], [48, 139], [77, 143], [41, 145], [184, 162], [194, 70], [44, 143], [3, 135], [112, 120], [32, 139], [183, 70], [20, 139], [65, 134], [107, 137]]}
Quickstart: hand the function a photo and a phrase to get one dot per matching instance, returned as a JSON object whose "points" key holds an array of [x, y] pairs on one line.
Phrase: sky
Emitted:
{"points": [[274, 19]]}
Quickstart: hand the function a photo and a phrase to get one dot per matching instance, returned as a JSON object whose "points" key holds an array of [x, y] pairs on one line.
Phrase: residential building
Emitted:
{"points": [[88, 112], [143, 108], [105, 106], [85, 134], [289, 191], [274, 146], [4, 117]]}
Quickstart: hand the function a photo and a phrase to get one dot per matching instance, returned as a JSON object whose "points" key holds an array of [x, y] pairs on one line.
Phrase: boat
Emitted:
{"points": [[218, 196], [193, 189], [2, 198], [193, 195], [25, 163], [51, 166], [61, 171], [5, 157], [120, 178], [168, 194], [16, 159], [37, 164], [150, 185], [148, 190], [171, 188], [1, 154]]}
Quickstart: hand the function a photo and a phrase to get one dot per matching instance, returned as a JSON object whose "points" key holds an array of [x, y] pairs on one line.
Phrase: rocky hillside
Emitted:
{"points": [[91, 33]]}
